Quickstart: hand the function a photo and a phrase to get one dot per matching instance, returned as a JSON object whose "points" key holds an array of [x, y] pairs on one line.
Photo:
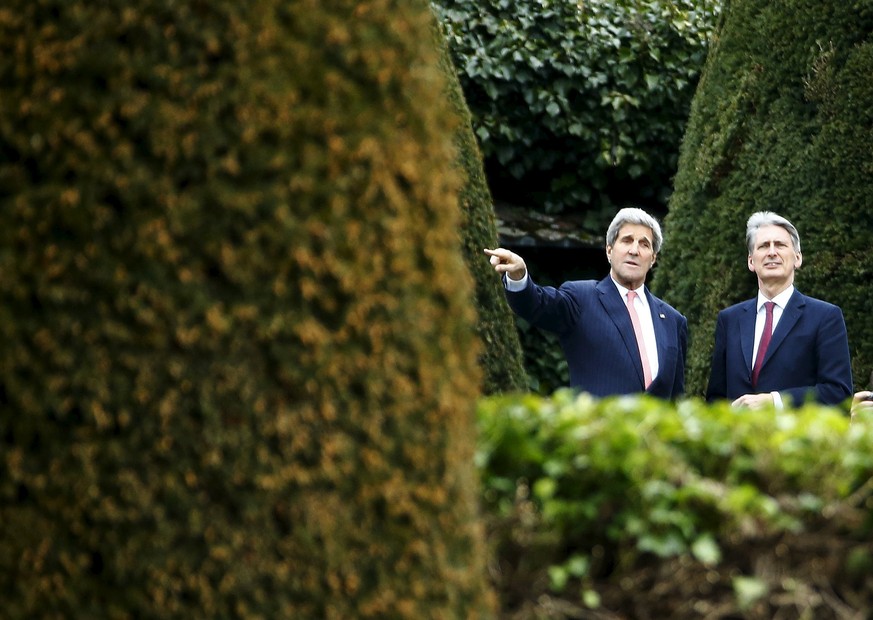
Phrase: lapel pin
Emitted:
{"points": [[662, 316]]}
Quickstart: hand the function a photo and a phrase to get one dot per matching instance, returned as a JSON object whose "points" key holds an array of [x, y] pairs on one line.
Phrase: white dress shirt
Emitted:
{"points": [[779, 303]]}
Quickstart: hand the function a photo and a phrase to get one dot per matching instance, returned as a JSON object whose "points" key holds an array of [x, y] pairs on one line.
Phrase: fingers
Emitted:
{"points": [[507, 262], [753, 401], [499, 255], [503, 260], [860, 397], [860, 405]]}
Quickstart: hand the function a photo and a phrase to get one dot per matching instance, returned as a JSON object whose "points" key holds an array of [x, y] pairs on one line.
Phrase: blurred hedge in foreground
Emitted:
{"points": [[238, 363], [638, 508]]}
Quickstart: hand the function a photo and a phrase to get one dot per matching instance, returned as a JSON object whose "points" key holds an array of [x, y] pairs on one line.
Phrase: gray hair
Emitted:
{"points": [[632, 215], [768, 218]]}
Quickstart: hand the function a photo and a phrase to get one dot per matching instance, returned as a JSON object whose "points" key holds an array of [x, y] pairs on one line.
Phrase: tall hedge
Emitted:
{"points": [[238, 360], [781, 121], [501, 355]]}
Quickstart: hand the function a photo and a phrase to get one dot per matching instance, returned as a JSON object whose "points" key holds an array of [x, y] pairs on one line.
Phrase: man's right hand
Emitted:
{"points": [[861, 403], [507, 262]]}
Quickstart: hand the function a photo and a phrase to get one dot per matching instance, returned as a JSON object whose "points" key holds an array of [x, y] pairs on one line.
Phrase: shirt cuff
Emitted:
{"points": [[777, 400], [514, 286]]}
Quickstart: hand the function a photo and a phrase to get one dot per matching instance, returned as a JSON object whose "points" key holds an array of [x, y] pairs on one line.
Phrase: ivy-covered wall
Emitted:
{"points": [[238, 360], [579, 106], [781, 121]]}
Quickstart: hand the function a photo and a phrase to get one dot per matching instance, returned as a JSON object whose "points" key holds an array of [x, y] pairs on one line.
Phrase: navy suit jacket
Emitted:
{"points": [[808, 356], [595, 331]]}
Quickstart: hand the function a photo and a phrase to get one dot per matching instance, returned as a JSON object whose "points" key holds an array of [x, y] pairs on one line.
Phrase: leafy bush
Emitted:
{"points": [[546, 364], [579, 105], [612, 496]]}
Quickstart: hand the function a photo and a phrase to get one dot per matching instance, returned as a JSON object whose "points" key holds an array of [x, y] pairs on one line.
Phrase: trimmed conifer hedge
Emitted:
{"points": [[501, 356], [238, 356], [781, 121]]}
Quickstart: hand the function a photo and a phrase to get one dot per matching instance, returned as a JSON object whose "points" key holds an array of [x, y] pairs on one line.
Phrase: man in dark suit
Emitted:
{"points": [[612, 346], [781, 348]]}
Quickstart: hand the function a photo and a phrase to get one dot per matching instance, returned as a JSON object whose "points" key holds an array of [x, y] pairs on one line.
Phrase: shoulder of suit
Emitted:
{"points": [[814, 302], [580, 285]]}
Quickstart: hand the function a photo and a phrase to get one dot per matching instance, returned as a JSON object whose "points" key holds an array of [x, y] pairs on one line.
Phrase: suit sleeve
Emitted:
{"points": [[682, 337], [834, 378], [717, 388], [546, 307]]}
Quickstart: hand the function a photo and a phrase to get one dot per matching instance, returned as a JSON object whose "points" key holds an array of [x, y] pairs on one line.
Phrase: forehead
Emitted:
{"points": [[770, 233], [635, 231]]}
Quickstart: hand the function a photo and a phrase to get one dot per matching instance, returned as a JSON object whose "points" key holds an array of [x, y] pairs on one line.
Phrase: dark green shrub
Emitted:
{"points": [[544, 359], [634, 507], [579, 105], [780, 122], [501, 356], [238, 359]]}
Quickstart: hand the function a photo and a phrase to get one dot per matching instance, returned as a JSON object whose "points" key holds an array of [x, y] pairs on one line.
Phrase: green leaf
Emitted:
{"points": [[706, 550], [591, 599], [748, 590], [558, 577], [578, 565], [544, 488]]}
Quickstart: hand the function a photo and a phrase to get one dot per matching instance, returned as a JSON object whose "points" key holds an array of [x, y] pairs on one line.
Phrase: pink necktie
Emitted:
{"points": [[765, 342], [638, 331]]}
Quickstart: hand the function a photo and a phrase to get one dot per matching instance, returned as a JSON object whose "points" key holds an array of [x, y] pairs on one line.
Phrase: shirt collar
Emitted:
{"points": [[780, 300], [641, 292]]}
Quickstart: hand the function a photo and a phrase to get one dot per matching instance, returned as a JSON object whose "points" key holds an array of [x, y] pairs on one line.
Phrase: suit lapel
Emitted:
{"points": [[747, 332], [658, 322], [617, 311]]}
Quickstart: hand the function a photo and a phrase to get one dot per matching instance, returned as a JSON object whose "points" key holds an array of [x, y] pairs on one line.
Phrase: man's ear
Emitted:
{"points": [[798, 260], [751, 266], [609, 254]]}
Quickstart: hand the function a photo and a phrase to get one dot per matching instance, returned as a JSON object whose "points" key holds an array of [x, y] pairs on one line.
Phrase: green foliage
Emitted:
{"points": [[544, 359], [238, 359], [501, 357], [595, 493], [780, 122], [576, 102]]}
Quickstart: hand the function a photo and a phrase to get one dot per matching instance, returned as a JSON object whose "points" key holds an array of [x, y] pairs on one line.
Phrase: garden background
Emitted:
{"points": [[255, 365]]}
